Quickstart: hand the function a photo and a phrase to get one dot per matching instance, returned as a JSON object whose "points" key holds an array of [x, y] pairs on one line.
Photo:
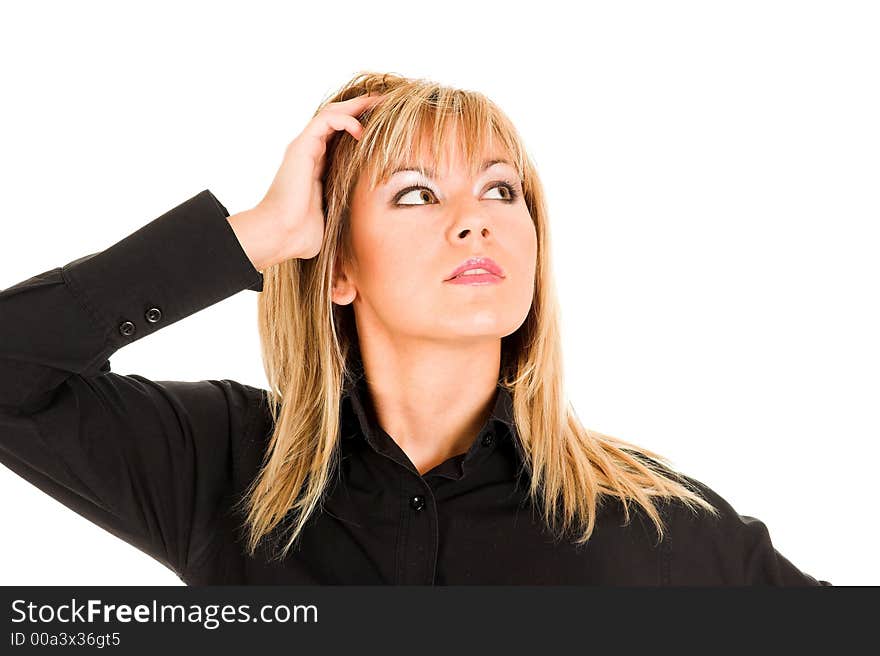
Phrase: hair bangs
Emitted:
{"points": [[428, 127]]}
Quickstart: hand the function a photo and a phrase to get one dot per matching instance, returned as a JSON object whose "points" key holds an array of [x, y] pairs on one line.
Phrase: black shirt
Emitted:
{"points": [[160, 463]]}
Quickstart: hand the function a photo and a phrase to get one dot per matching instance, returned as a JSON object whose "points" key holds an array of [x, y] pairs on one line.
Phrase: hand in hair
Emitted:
{"points": [[289, 221]]}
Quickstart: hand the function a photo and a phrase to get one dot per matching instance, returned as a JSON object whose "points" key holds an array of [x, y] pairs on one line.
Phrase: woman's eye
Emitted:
{"points": [[507, 192], [424, 193]]}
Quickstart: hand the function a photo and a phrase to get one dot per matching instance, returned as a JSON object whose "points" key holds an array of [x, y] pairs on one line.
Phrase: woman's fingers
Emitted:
{"points": [[338, 121], [363, 99], [291, 209], [341, 116]]}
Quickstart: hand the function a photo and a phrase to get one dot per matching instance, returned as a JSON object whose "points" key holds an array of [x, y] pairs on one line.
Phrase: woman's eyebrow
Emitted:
{"points": [[429, 172]]}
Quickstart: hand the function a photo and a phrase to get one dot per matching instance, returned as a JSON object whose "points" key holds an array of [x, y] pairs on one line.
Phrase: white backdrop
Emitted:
{"points": [[712, 172]]}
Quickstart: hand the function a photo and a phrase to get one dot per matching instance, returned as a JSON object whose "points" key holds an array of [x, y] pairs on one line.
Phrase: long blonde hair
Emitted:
{"points": [[306, 339]]}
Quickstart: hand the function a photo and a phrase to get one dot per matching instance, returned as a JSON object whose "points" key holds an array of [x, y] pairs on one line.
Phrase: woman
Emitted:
{"points": [[416, 429]]}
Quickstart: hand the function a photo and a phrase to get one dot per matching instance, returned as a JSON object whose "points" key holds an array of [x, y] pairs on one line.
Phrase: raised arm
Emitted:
{"points": [[150, 461], [146, 460]]}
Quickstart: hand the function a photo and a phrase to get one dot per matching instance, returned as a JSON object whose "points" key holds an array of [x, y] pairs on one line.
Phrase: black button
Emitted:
{"points": [[153, 315], [488, 439], [417, 502], [127, 328]]}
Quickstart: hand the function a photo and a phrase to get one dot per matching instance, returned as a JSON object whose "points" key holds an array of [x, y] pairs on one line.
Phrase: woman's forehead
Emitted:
{"points": [[459, 147], [450, 161]]}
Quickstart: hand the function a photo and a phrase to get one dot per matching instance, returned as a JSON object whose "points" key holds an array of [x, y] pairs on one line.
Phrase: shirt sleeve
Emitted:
{"points": [[149, 461], [730, 549]]}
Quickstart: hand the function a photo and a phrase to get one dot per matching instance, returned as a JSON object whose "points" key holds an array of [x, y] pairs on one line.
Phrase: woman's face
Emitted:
{"points": [[406, 243]]}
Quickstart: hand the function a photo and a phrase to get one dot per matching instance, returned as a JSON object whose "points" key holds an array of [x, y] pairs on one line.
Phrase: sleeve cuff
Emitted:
{"points": [[182, 262]]}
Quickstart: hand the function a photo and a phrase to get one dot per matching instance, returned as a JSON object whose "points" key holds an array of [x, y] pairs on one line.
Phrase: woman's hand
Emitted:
{"points": [[289, 221]]}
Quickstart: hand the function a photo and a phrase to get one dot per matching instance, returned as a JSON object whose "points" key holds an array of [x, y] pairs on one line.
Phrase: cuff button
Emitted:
{"points": [[127, 328], [153, 315]]}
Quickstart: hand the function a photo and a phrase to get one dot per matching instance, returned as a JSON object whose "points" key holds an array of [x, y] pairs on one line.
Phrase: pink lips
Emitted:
{"points": [[476, 279], [494, 275]]}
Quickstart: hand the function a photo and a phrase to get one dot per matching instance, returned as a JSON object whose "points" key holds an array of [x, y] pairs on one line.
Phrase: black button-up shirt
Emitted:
{"points": [[161, 463]]}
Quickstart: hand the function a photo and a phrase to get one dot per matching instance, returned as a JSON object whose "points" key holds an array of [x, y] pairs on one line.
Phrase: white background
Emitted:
{"points": [[712, 172]]}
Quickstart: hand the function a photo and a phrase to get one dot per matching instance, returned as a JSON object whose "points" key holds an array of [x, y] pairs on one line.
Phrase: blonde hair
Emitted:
{"points": [[306, 340]]}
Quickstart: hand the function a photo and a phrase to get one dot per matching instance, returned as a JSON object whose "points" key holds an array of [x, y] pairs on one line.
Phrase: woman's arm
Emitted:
{"points": [[150, 461], [730, 549], [147, 460]]}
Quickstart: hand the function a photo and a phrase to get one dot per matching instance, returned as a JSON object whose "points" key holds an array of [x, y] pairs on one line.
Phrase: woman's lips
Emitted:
{"points": [[480, 263], [475, 279]]}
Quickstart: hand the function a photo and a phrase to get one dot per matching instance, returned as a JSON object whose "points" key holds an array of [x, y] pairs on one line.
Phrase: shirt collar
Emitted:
{"points": [[357, 417]]}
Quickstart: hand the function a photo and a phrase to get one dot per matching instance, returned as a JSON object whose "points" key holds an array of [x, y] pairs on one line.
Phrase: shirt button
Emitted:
{"points": [[488, 439], [127, 328], [417, 502], [153, 315]]}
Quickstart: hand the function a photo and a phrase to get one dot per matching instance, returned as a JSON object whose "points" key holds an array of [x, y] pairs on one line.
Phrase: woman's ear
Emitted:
{"points": [[343, 290]]}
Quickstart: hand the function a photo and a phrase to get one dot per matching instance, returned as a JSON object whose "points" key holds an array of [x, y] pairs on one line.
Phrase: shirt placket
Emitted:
{"points": [[419, 532]]}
